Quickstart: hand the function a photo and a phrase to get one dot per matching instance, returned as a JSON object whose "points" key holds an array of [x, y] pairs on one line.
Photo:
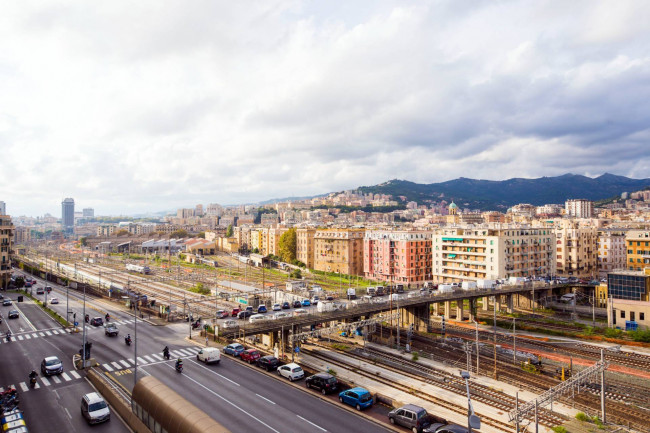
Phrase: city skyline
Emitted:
{"points": [[245, 104]]}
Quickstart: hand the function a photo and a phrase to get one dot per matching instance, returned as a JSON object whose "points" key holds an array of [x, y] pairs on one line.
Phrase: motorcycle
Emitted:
{"points": [[32, 381], [8, 337], [127, 340], [87, 318], [179, 368], [166, 355], [107, 317], [196, 324]]}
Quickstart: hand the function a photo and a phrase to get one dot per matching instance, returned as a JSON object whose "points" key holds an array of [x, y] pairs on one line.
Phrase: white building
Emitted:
{"points": [[579, 208]]}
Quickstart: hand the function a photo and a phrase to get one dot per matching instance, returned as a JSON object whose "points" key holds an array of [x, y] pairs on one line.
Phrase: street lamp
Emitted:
{"points": [[473, 421]]}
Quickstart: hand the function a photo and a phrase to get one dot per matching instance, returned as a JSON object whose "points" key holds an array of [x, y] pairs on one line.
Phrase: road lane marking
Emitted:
{"points": [[45, 381], [41, 334], [66, 411], [158, 357], [228, 401], [20, 337], [306, 420], [75, 374], [186, 352], [36, 385], [124, 363], [264, 398], [34, 335], [66, 377], [149, 358], [27, 336], [56, 379], [141, 360], [116, 365], [214, 372], [131, 360], [48, 332], [23, 386], [107, 367]]}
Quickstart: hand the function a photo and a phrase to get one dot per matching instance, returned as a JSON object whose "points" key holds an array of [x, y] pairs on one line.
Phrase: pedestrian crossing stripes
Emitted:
{"points": [[45, 333], [148, 359], [47, 381]]}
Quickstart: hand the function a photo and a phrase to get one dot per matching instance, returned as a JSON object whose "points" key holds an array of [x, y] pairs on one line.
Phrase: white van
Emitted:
{"points": [[569, 297], [209, 355], [229, 324], [300, 312], [281, 314], [257, 318]]}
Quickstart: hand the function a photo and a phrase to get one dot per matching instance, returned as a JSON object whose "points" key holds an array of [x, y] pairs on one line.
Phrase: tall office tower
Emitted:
{"points": [[67, 213]]}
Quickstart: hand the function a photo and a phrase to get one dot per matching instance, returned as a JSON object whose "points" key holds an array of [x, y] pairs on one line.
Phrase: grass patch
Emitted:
{"points": [[560, 429], [339, 346], [56, 316]]}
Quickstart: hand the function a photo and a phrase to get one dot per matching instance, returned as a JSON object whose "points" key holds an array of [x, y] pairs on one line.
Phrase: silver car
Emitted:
{"points": [[94, 408], [51, 365]]}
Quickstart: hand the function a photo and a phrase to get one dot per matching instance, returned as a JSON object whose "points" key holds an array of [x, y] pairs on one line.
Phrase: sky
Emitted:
{"points": [[133, 107]]}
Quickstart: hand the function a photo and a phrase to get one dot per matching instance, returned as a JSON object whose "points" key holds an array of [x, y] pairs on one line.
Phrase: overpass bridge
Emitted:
{"points": [[415, 308]]}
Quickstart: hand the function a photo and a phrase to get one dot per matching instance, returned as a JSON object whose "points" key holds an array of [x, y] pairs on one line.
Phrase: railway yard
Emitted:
{"points": [[502, 363]]}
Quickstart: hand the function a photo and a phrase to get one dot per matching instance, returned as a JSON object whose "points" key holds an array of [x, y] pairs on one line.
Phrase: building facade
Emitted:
{"points": [[88, 212], [398, 256], [470, 254], [339, 250], [305, 246], [611, 252], [67, 213], [579, 208], [638, 250], [577, 250], [629, 299], [6, 248]]}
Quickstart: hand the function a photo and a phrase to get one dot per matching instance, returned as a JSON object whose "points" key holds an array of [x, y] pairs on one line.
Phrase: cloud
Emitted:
{"points": [[157, 105]]}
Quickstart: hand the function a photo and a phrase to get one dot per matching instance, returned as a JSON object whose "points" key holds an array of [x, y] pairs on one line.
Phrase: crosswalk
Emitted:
{"points": [[121, 364], [57, 331], [64, 377]]}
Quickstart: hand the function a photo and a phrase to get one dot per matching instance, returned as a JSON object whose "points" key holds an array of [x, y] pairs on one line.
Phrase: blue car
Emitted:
{"points": [[306, 303], [261, 309], [234, 349], [358, 397]]}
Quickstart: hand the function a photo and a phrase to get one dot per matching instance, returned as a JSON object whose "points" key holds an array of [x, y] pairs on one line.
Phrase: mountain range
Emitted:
{"points": [[500, 195]]}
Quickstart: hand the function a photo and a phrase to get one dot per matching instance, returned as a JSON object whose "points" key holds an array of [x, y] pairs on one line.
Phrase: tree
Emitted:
{"points": [[287, 245], [229, 231], [182, 233], [83, 241], [122, 232], [201, 235]]}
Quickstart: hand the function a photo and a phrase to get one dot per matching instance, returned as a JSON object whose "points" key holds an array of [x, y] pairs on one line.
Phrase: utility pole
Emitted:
{"points": [[514, 342], [602, 388], [495, 337]]}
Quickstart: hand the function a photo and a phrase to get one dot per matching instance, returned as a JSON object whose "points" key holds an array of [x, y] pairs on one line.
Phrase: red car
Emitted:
{"points": [[222, 314], [235, 312], [250, 355]]}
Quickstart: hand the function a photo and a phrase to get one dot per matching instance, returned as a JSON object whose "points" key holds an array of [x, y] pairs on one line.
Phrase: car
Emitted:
{"points": [[14, 314], [281, 315], [249, 308], [229, 324], [48, 289], [276, 307], [286, 306], [234, 349], [291, 371], [28, 284], [358, 397], [6, 302], [300, 312], [445, 428], [315, 300], [51, 365], [209, 355], [54, 301], [244, 314], [250, 355], [297, 304], [222, 314], [269, 363], [261, 309], [414, 418], [111, 330], [235, 312], [94, 408], [2, 297], [324, 382], [329, 298], [306, 303], [40, 291], [96, 321]]}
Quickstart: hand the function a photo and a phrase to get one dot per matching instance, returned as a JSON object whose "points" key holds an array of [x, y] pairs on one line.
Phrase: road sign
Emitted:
{"points": [[76, 323], [297, 349]]}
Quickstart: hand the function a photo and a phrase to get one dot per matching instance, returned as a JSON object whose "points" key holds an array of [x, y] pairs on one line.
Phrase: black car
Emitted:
{"points": [[324, 382], [97, 321], [13, 314], [297, 304], [269, 363], [286, 306], [244, 314]]}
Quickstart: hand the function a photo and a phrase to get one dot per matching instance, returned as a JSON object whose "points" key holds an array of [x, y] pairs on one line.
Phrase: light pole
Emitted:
{"points": [[473, 421]]}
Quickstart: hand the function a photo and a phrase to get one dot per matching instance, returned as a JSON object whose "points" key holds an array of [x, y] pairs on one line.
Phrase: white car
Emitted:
{"points": [[281, 314], [300, 312], [291, 371], [276, 307], [229, 324], [54, 301], [209, 355]]}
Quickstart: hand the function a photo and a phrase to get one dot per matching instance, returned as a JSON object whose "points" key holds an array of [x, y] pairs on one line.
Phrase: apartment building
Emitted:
{"points": [[612, 252], [397, 256], [6, 247], [579, 208], [106, 230], [577, 250], [305, 246], [461, 254], [339, 250], [22, 235], [638, 250], [274, 235], [629, 299]]}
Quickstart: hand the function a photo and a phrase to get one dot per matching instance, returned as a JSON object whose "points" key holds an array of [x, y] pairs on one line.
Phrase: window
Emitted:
{"points": [[632, 316], [622, 314], [642, 316]]}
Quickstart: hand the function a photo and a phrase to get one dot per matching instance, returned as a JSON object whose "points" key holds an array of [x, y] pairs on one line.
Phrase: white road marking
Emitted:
{"points": [[149, 358], [36, 386], [34, 335], [158, 357], [66, 377], [41, 334], [66, 411], [27, 336], [20, 337], [264, 398], [131, 360], [23, 386], [45, 381], [185, 352], [213, 372], [48, 332], [56, 379], [227, 401], [142, 360], [107, 367], [75, 374], [124, 363], [306, 420], [116, 365]]}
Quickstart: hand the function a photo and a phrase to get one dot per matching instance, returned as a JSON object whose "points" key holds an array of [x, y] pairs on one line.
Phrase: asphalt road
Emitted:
{"points": [[240, 397]]}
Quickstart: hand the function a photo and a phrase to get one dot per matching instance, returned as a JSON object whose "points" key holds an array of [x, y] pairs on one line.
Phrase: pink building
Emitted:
{"points": [[398, 256]]}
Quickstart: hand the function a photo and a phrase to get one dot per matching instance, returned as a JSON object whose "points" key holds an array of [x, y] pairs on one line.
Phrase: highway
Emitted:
{"points": [[238, 396]]}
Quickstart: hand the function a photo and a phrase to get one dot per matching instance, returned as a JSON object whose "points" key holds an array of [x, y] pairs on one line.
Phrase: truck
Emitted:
{"points": [[516, 280], [138, 268], [325, 306], [371, 291], [380, 291], [468, 285], [486, 284], [445, 288], [352, 293]]}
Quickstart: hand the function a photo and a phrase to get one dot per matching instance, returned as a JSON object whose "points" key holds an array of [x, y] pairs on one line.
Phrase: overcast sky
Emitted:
{"points": [[152, 105]]}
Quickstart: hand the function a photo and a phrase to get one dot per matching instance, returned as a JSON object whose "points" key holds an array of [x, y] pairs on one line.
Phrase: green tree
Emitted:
{"points": [[229, 231], [182, 233], [201, 235], [287, 245], [83, 241], [122, 232]]}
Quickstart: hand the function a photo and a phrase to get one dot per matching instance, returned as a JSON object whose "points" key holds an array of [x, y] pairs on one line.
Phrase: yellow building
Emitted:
{"points": [[274, 235], [6, 247], [339, 250], [638, 250], [305, 246]]}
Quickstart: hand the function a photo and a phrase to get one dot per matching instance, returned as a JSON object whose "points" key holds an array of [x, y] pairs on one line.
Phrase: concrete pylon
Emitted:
{"points": [[509, 302], [448, 309], [486, 303], [497, 303], [459, 310], [472, 309]]}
